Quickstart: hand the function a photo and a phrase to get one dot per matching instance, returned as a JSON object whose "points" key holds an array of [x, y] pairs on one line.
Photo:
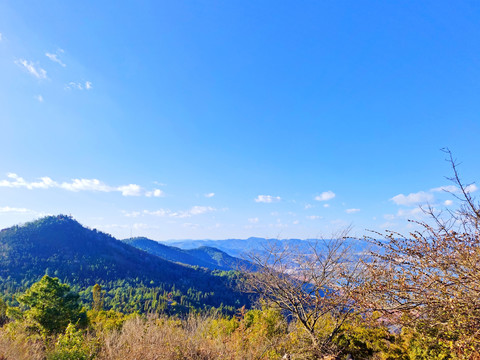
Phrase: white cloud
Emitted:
{"points": [[454, 189], [79, 86], [296, 222], [8, 209], [326, 205], [253, 220], [133, 214], [313, 217], [54, 57], [325, 196], [389, 216], [195, 210], [155, 193], [448, 202], [1, 37], [130, 190], [471, 188], [411, 213], [198, 210], [445, 188], [39, 98], [15, 181], [308, 206], [160, 212], [267, 199], [38, 72], [210, 195], [76, 185], [86, 185], [421, 197], [352, 211]]}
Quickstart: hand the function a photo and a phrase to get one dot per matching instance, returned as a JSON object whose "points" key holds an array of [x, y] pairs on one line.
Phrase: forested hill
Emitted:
{"points": [[204, 256], [61, 247]]}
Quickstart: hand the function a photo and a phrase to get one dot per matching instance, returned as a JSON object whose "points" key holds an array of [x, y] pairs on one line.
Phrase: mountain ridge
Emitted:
{"points": [[204, 256], [62, 247]]}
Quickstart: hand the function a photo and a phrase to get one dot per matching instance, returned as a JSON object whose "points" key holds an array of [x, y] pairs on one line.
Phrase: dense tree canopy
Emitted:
{"points": [[51, 306]]}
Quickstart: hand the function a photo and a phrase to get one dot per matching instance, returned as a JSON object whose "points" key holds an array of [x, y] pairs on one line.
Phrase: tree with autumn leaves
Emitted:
{"points": [[430, 281], [425, 286]]}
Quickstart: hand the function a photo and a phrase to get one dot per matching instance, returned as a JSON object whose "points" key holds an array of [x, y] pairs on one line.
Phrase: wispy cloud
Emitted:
{"points": [[446, 188], [325, 196], [1, 37], [54, 57], [416, 213], [75, 185], [209, 195], [83, 185], [15, 181], [160, 212], [418, 198], [454, 189], [254, 220], [31, 68], [448, 202], [72, 85], [155, 193], [39, 98], [132, 214], [313, 217], [267, 199], [195, 210], [8, 209], [198, 210], [352, 211], [18, 211]]}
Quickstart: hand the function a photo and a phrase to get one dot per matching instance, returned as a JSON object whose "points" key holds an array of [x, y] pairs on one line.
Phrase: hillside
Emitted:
{"points": [[244, 248], [241, 248], [61, 247], [203, 256]]}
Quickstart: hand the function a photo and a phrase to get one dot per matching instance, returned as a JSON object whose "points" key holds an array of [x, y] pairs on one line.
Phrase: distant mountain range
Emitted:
{"points": [[241, 248], [204, 256]]}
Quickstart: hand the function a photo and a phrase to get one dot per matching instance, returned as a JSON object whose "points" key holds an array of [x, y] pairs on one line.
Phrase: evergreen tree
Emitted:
{"points": [[51, 306]]}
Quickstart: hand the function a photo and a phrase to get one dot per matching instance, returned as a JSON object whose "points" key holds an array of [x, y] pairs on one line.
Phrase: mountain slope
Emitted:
{"points": [[242, 247], [203, 256], [61, 247]]}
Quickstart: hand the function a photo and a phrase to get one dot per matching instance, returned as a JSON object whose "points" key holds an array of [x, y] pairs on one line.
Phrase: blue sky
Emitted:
{"points": [[218, 119]]}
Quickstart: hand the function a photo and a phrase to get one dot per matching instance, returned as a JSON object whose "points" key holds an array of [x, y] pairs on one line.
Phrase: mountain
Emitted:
{"points": [[61, 247], [203, 256], [241, 248]]}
